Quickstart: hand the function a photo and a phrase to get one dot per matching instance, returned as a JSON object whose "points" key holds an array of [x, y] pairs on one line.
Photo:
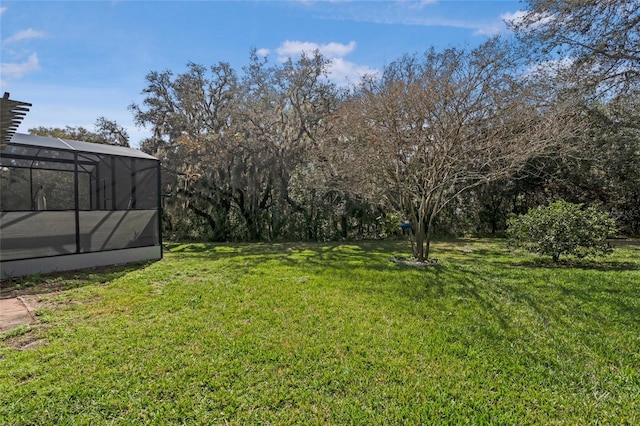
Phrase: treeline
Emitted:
{"points": [[451, 141]]}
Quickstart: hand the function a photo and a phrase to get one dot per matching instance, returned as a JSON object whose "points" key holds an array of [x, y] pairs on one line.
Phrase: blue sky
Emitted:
{"points": [[77, 61]]}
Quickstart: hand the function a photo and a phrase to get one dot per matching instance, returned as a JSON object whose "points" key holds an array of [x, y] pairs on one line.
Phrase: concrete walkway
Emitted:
{"points": [[14, 312]]}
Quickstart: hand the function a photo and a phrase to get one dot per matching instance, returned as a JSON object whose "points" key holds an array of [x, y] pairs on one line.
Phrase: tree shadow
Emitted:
{"points": [[339, 255], [469, 271], [625, 242], [457, 282], [66, 280], [614, 297], [583, 264]]}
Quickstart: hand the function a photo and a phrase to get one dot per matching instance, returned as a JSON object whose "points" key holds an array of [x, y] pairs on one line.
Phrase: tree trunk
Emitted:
{"points": [[420, 240], [427, 244], [209, 218]]}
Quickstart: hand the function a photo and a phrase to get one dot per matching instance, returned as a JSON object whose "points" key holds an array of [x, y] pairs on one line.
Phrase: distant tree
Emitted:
{"points": [[237, 151], [433, 128], [562, 228], [596, 43], [74, 133], [286, 111], [592, 48], [111, 132], [602, 169], [191, 117], [608, 167], [106, 132]]}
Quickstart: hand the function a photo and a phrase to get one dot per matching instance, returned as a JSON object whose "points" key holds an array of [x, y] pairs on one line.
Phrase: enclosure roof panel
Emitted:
{"points": [[71, 145], [11, 114]]}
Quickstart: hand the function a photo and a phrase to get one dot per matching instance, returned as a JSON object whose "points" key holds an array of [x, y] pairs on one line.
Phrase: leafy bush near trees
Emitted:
{"points": [[562, 228]]}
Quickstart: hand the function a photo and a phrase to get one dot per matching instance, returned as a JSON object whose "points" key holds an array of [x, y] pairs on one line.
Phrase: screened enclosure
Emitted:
{"points": [[67, 204]]}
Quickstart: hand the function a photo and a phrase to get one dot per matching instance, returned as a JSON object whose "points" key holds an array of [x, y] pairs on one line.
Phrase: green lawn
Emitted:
{"points": [[332, 334]]}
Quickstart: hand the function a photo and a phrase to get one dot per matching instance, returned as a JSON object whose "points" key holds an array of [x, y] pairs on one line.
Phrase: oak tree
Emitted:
{"points": [[438, 125]]}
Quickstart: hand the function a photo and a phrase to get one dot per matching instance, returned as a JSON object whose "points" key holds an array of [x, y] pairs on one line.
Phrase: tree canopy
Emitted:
{"points": [[598, 40], [438, 125], [106, 132], [452, 141]]}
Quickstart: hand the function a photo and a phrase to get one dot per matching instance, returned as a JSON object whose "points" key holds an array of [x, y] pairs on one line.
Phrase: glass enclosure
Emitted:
{"points": [[60, 197]]}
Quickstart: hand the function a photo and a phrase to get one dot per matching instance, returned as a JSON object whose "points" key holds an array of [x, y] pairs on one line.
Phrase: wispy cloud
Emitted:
{"points": [[3, 9], [345, 72], [425, 13], [549, 69], [25, 35], [263, 52], [527, 20], [416, 4], [330, 50], [511, 19], [490, 29], [17, 66], [514, 17], [341, 71], [479, 28], [17, 70]]}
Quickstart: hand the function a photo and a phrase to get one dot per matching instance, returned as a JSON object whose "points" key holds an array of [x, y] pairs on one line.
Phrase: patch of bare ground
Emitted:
{"points": [[11, 289], [29, 338], [44, 284], [414, 262], [64, 280], [24, 329]]}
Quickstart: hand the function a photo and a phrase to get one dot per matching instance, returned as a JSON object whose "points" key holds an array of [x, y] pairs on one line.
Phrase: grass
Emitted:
{"points": [[333, 334]]}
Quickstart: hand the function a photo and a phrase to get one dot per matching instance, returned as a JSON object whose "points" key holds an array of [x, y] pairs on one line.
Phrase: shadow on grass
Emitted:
{"points": [[369, 254], [453, 284], [288, 247], [339, 255], [60, 281], [633, 243], [480, 272], [494, 251], [503, 298], [583, 264], [621, 301]]}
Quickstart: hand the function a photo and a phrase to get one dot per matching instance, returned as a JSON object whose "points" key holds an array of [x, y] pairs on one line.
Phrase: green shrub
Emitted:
{"points": [[562, 228]]}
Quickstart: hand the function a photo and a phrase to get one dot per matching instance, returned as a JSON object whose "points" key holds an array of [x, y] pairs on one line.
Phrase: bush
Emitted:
{"points": [[562, 228]]}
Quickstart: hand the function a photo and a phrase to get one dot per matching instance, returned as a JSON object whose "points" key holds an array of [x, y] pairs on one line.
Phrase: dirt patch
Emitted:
{"points": [[19, 325], [43, 285], [414, 263], [27, 338], [22, 300], [59, 281]]}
